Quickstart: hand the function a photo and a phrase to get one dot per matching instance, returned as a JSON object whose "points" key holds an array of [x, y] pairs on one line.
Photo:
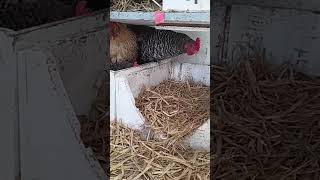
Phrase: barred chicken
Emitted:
{"points": [[156, 44]]}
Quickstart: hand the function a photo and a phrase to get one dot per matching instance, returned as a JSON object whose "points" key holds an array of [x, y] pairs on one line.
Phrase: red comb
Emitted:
{"points": [[197, 44]]}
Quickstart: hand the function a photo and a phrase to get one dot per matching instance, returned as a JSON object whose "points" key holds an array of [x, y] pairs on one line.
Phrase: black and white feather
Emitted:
{"points": [[156, 45]]}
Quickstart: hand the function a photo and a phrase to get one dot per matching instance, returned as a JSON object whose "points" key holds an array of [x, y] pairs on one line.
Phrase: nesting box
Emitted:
{"points": [[126, 84], [53, 69]]}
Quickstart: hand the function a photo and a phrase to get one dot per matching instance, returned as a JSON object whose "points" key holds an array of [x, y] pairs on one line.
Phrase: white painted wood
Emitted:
{"points": [[147, 18], [9, 151], [80, 48], [186, 5], [51, 147], [112, 96], [49, 100], [287, 35]]}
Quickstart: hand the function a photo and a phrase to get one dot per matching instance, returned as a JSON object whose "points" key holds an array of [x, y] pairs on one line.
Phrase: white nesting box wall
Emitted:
{"points": [[129, 83], [186, 5]]}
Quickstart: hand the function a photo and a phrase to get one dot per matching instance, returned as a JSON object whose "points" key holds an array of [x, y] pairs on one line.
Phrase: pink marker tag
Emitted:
{"points": [[158, 17]]}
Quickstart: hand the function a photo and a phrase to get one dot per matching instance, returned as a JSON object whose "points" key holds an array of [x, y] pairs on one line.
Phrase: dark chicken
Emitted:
{"points": [[123, 46], [156, 45], [27, 14]]}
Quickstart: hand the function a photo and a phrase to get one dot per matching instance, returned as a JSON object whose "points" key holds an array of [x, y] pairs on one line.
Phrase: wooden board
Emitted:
{"points": [[287, 35]]}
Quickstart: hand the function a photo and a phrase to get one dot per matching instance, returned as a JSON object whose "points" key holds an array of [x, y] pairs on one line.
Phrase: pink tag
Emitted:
{"points": [[158, 17]]}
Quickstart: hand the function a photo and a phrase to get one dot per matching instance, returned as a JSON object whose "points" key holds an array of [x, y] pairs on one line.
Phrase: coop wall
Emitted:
{"points": [[287, 35]]}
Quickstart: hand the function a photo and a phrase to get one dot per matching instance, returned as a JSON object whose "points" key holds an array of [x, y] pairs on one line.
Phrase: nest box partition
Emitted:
{"points": [[58, 67]]}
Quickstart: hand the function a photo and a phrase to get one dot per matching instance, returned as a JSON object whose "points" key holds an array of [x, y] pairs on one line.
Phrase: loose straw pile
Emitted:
{"points": [[94, 129], [267, 124], [175, 109], [136, 5], [133, 158]]}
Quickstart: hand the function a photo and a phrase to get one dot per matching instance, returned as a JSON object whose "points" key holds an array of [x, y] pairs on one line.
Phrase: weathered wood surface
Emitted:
{"points": [[286, 34]]}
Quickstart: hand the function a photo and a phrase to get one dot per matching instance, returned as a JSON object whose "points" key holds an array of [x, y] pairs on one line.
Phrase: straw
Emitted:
{"points": [[136, 5], [266, 121], [134, 158], [175, 110]]}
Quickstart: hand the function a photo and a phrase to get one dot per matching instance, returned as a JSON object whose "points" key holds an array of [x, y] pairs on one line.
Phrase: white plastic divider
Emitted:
{"points": [[129, 82]]}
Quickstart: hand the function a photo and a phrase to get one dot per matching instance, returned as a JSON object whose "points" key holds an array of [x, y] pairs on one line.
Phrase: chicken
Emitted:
{"points": [[156, 45], [27, 14], [123, 46]]}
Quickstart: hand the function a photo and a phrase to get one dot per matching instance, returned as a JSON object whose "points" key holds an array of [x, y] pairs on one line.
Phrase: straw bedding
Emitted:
{"points": [[267, 124], [173, 109], [136, 5], [169, 104], [134, 158]]}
